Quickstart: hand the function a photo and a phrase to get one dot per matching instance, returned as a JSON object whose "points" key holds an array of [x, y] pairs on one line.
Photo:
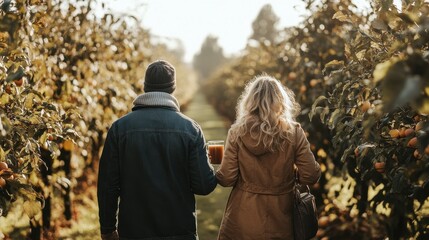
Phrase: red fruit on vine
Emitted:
{"points": [[323, 221], [419, 126], [408, 132], [380, 167], [291, 76], [412, 143], [51, 137], [402, 132], [8, 89], [416, 118], [357, 151], [19, 82], [314, 82], [417, 154], [365, 106], [68, 145], [3, 166], [394, 133]]}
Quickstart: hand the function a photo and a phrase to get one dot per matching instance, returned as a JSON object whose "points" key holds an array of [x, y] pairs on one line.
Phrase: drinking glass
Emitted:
{"points": [[216, 148]]}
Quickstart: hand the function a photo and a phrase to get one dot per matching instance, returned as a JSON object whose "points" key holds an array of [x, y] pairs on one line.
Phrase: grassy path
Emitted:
{"points": [[213, 125], [209, 208]]}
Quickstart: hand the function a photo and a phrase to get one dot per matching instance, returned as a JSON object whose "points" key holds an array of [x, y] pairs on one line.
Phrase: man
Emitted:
{"points": [[153, 162]]}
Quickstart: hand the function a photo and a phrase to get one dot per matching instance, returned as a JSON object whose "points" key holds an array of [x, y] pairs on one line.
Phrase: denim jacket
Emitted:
{"points": [[153, 162]]}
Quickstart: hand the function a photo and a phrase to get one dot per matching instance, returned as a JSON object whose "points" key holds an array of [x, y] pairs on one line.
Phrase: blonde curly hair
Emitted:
{"points": [[266, 109]]}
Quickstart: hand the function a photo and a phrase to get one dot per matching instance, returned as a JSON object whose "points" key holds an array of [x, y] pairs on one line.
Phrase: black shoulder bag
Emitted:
{"points": [[304, 214]]}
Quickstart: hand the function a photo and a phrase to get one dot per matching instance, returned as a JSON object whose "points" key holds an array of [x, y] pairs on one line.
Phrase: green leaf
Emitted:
{"points": [[313, 107], [324, 113], [346, 153], [334, 118], [15, 75]]}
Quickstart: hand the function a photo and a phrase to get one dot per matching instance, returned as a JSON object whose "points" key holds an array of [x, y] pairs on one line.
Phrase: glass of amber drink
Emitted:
{"points": [[215, 151]]}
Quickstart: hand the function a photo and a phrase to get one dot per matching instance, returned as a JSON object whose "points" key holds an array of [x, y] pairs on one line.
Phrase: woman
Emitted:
{"points": [[262, 147]]}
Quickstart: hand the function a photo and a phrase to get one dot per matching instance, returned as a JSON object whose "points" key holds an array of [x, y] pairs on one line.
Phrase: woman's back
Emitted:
{"points": [[262, 170], [260, 152]]}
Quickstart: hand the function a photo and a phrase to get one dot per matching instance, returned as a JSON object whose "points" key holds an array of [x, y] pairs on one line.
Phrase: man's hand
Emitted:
{"points": [[110, 236]]}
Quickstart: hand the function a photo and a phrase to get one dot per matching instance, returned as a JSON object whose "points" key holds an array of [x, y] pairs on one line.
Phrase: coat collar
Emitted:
{"points": [[156, 99]]}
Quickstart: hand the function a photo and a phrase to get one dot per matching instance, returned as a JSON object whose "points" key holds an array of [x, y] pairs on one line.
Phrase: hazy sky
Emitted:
{"points": [[192, 20]]}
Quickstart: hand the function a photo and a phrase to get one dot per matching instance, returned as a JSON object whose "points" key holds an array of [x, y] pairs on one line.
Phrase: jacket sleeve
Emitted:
{"points": [[203, 180], [308, 169], [108, 184], [228, 171]]}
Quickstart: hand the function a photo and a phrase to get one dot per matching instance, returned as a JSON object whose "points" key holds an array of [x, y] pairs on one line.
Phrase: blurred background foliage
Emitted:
{"points": [[362, 79]]}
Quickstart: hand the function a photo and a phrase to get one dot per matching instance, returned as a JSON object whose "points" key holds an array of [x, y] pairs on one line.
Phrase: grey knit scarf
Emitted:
{"points": [[161, 99]]}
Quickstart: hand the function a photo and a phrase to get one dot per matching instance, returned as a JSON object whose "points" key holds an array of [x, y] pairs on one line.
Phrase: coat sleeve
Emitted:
{"points": [[228, 171], [108, 183], [308, 169], [203, 180]]}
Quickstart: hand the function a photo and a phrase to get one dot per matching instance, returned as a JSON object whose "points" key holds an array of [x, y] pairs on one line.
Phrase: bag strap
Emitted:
{"points": [[297, 184], [295, 171]]}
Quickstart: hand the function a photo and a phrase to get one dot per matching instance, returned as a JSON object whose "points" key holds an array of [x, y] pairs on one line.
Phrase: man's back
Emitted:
{"points": [[154, 160], [156, 145]]}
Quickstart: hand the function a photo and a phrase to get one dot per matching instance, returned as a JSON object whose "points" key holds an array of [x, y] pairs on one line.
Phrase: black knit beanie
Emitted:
{"points": [[160, 77]]}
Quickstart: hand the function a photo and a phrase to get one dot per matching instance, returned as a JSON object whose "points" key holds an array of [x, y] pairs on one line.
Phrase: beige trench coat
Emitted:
{"points": [[260, 206]]}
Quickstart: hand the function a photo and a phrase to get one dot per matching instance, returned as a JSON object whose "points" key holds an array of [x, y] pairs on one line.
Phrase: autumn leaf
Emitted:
{"points": [[32, 208], [341, 17]]}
